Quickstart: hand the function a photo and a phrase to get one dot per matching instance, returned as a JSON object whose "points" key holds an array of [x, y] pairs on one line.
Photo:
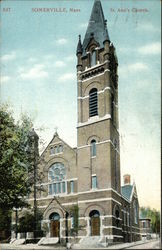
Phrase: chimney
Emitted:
{"points": [[127, 179]]}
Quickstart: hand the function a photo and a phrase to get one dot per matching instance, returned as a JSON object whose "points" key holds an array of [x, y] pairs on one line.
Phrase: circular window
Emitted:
{"points": [[57, 172]]}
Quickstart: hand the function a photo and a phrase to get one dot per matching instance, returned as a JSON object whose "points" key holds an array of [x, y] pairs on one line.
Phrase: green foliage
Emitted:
{"points": [[16, 160], [26, 221], [5, 220], [153, 215], [74, 212]]}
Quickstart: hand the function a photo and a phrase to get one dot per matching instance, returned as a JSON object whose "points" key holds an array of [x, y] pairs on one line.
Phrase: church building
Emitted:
{"points": [[85, 181]]}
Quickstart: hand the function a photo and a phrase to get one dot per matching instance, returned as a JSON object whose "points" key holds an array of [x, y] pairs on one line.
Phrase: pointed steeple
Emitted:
{"points": [[97, 26], [79, 47]]}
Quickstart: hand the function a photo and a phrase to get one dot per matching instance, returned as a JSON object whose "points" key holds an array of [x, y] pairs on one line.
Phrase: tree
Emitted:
{"points": [[26, 221], [74, 213], [153, 215], [5, 221], [15, 161]]}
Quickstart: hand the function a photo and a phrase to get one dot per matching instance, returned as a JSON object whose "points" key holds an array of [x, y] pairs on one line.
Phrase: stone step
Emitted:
{"points": [[48, 241], [91, 242], [18, 242]]}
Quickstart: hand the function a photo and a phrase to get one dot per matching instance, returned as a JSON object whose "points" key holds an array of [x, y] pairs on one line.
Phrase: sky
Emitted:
{"points": [[38, 76]]}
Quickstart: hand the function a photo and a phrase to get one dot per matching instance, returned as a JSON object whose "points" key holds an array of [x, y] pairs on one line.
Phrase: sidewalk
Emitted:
{"points": [[132, 244], [29, 247], [36, 247]]}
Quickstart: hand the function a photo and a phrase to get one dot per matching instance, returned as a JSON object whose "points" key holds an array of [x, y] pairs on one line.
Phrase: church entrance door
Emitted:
{"points": [[95, 222], [55, 225]]}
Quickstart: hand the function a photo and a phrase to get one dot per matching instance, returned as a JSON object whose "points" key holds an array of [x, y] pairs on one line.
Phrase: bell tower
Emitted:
{"points": [[97, 86]]}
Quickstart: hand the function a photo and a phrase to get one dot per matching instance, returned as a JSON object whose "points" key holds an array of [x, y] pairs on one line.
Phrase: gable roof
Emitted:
{"points": [[127, 191], [56, 136]]}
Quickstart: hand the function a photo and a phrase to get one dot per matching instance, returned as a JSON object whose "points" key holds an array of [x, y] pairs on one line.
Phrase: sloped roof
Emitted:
{"points": [[97, 26], [127, 191], [56, 136]]}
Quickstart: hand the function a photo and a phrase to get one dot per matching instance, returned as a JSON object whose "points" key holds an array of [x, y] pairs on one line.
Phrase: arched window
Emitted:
{"points": [[115, 170], [56, 177], [93, 58], [93, 148], [117, 214], [54, 216], [60, 148], [51, 151], [93, 102], [112, 107]]}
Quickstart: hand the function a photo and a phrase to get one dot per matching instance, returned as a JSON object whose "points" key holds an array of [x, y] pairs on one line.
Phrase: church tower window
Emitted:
{"points": [[93, 148], [93, 58], [93, 102], [112, 107], [94, 182]]}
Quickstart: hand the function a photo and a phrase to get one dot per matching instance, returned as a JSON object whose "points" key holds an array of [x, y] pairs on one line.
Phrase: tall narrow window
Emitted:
{"points": [[93, 102], [93, 148], [72, 186], [51, 150], [115, 169], [135, 212], [50, 189], [93, 58], [63, 187], [112, 107], [72, 221], [94, 182]]}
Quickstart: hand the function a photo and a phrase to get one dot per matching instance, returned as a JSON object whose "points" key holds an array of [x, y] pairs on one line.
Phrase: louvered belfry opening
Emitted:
{"points": [[93, 102]]}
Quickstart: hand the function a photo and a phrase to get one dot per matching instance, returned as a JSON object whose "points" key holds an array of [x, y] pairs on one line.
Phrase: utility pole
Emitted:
{"points": [[34, 139]]}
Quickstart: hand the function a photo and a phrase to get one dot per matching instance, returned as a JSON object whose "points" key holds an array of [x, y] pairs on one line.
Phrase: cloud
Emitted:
{"points": [[83, 25], [32, 59], [37, 71], [147, 27], [66, 77], [8, 57], [70, 58], [59, 64], [150, 49], [62, 41], [4, 79], [135, 67]]}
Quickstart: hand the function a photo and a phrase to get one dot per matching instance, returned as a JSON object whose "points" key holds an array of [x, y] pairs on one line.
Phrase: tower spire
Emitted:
{"points": [[79, 47], [97, 25]]}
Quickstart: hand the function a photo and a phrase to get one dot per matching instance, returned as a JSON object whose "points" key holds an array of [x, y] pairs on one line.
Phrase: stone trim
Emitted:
{"points": [[94, 200], [98, 92], [47, 183], [91, 121], [94, 76], [74, 194], [119, 228]]}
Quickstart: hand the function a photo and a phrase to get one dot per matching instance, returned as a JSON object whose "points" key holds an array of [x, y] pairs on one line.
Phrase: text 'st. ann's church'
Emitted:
{"points": [[86, 180]]}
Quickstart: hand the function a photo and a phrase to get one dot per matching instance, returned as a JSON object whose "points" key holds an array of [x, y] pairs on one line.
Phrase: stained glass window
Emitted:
{"points": [[56, 175]]}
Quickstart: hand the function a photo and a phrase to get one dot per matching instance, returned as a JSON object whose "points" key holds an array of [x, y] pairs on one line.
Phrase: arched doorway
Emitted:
{"points": [[54, 225], [95, 222]]}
